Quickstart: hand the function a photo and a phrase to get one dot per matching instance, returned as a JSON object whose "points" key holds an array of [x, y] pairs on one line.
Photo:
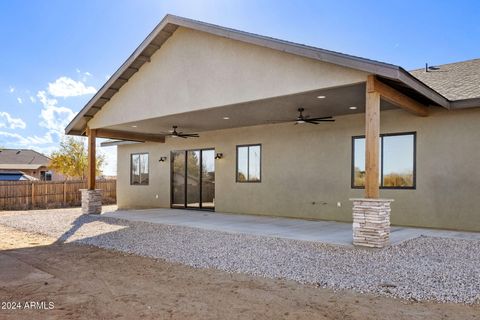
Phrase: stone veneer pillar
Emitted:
{"points": [[371, 222], [91, 201]]}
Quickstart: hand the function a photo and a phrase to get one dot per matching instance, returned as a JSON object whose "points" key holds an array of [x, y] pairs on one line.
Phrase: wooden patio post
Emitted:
{"points": [[372, 140], [91, 197], [91, 133]]}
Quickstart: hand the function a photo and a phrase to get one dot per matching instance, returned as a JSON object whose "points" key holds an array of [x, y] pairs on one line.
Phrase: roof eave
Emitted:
{"points": [[466, 103]]}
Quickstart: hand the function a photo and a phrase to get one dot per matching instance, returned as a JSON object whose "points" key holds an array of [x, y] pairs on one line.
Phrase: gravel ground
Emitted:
{"points": [[436, 269]]}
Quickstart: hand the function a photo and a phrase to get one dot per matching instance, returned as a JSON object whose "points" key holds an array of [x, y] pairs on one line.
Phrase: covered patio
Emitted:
{"points": [[329, 232], [371, 213], [228, 92]]}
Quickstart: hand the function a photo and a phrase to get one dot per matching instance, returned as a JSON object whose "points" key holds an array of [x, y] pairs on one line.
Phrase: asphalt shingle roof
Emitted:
{"points": [[455, 81], [22, 156]]}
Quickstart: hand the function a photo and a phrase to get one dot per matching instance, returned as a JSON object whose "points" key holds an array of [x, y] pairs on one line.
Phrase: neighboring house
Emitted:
{"points": [[241, 93], [25, 164]]}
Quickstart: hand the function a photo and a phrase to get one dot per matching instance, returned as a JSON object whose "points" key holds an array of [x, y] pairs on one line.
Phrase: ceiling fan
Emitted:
{"points": [[301, 119], [174, 134]]}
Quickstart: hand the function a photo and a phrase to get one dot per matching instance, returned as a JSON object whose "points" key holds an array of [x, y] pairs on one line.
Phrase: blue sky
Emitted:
{"points": [[56, 54]]}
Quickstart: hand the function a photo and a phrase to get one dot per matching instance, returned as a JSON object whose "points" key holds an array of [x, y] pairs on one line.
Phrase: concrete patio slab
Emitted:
{"points": [[339, 233]]}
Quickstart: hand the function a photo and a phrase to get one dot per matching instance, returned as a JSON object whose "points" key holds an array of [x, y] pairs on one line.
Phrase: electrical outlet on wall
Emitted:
{"points": [[156, 196], [339, 204]]}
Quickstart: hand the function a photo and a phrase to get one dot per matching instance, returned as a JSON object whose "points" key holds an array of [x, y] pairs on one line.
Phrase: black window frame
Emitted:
{"points": [[131, 168], [248, 163], [410, 133]]}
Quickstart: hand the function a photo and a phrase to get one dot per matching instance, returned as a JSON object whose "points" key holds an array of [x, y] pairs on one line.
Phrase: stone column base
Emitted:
{"points": [[91, 201], [371, 222]]}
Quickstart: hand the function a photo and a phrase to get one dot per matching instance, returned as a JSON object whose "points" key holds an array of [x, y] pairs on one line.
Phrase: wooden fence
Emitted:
{"points": [[22, 195]]}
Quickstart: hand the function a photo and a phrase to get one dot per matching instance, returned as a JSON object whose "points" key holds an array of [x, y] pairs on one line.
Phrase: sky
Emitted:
{"points": [[56, 54]]}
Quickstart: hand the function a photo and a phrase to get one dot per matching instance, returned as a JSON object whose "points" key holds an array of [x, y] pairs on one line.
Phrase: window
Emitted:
{"points": [[139, 169], [249, 163], [397, 161]]}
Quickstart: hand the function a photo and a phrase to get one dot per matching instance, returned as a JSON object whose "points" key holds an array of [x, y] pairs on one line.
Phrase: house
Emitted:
{"points": [[285, 129], [25, 164]]}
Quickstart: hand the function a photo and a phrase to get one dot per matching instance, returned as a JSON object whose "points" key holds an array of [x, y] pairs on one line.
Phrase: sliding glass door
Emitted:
{"points": [[193, 179]]}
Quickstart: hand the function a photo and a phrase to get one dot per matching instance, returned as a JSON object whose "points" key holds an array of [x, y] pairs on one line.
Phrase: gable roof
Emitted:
{"points": [[170, 23], [455, 81], [22, 159]]}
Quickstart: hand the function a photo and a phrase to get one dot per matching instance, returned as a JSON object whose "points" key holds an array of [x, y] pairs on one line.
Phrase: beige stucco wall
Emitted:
{"points": [[195, 70], [306, 170]]}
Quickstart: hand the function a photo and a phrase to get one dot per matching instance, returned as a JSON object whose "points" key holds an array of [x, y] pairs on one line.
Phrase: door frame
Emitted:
{"points": [[186, 207]]}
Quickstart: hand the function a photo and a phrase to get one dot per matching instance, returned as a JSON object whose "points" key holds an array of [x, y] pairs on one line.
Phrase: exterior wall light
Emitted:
{"points": [[219, 156], [162, 159]]}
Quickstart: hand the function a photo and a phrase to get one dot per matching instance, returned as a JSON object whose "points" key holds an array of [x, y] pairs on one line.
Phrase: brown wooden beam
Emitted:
{"points": [[156, 47], [397, 98], [372, 140], [92, 163], [130, 136], [144, 58]]}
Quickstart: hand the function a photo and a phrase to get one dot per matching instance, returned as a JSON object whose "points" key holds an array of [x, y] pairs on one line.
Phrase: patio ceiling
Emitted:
{"points": [[337, 102]]}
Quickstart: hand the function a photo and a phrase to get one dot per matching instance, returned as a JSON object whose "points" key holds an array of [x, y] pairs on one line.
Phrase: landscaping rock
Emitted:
{"points": [[436, 269]]}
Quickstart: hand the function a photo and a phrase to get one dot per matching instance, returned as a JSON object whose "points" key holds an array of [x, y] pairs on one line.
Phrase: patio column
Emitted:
{"points": [[91, 133], [371, 215], [372, 141], [91, 197]]}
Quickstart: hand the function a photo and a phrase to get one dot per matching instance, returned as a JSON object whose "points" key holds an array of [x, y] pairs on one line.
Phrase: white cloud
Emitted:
{"points": [[20, 100], [45, 100], [25, 141], [56, 118], [53, 117], [6, 121], [11, 89], [67, 87]]}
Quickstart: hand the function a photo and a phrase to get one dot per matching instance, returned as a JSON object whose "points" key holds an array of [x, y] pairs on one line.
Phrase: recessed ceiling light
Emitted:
{"points": [[321, 97], [352, 108], [134, 126], [226, 118]]}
